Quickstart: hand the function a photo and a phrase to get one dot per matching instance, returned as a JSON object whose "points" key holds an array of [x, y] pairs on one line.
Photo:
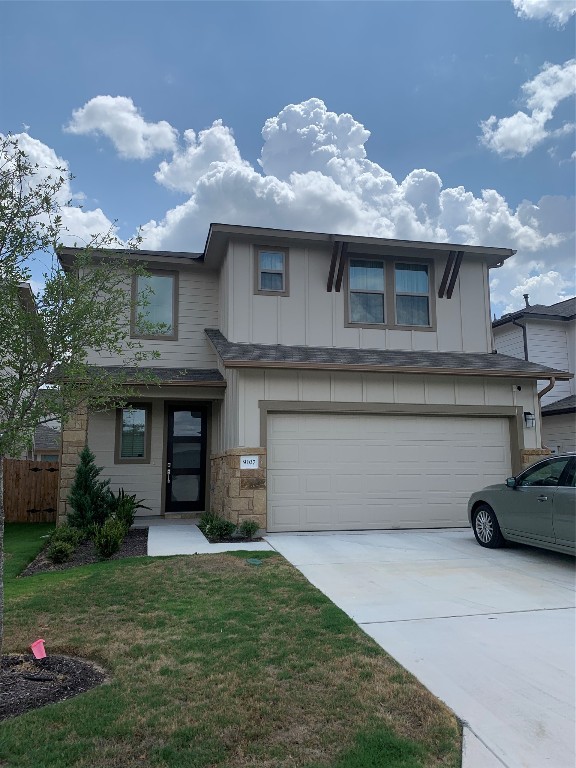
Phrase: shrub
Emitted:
{"points": [[214, 527], [248, 528], [109, 537], [60, 551], [89, 498], [124, 507], [68, 534]]}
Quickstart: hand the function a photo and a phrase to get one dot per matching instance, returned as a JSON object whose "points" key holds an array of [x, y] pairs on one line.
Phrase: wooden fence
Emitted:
{"points": [[30, 491]]}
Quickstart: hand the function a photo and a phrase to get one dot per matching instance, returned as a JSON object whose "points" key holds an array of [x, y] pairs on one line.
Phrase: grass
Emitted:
{"points": [[214, 663]]}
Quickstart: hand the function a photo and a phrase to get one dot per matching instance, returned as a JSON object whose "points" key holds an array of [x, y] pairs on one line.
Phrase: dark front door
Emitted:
{"points": [[186, 458]]}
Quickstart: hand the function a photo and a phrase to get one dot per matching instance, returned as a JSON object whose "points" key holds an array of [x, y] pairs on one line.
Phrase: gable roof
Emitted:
{"points": [[46, 438], [566, 405], [563, 310], [240, 355]]}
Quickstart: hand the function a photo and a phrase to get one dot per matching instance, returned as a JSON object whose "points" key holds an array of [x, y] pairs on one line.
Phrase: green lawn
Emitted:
{"points": [[213, 663]]}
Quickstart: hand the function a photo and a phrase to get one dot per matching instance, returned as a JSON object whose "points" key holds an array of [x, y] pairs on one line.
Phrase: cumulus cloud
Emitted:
{"points": [[314, 174], [558, 12], [520, 133], [118, 118], [212, 146], [78, 224]]}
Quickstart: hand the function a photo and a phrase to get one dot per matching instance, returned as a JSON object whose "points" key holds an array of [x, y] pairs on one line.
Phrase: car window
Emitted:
{"points": [[569, 478], [547, 473]]}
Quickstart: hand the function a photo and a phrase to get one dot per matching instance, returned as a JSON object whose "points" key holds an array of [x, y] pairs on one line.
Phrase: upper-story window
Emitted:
{"points": [[155, 298], [271, 271], [412, 288], [389, 294], [367, 287]]}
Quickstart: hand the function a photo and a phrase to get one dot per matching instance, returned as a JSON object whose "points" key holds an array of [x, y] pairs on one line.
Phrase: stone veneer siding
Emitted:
{"points": [[532, 455], [74, 435], [238, 494]]}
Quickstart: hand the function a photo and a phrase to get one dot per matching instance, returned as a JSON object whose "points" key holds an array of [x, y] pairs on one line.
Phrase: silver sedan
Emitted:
{"points": [[537, 507]]}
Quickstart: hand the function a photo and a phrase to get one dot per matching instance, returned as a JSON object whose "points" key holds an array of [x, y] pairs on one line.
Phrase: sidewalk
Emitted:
{"points": [[187, 539]]}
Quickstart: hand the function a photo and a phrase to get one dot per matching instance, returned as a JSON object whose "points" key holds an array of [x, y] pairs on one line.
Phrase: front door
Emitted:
{"points": [[186, 458]]}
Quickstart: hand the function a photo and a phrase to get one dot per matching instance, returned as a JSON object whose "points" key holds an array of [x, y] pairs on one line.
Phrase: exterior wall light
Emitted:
{"points": [[529, 420]]}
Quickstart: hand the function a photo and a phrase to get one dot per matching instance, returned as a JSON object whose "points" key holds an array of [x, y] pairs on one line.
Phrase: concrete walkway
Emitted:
{"points": [[490, 632], [176, 538]]}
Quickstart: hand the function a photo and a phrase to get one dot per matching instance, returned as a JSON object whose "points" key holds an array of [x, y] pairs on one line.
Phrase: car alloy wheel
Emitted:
{"points": [[486, 528]]}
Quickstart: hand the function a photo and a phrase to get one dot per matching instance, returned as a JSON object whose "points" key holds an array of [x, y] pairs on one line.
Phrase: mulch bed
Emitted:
{"points": [[27, 683], [232, 540], [135, 545]]}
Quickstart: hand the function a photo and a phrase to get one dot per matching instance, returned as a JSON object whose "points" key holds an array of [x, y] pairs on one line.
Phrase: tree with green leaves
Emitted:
{"points": [[46, 338]]}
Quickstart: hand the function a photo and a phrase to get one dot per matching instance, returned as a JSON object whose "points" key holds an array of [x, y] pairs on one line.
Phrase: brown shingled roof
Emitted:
{"points": [[391, 360]]}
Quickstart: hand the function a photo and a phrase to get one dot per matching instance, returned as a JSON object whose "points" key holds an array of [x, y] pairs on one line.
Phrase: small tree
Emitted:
{"points": [[45, 340], [89, 498]]}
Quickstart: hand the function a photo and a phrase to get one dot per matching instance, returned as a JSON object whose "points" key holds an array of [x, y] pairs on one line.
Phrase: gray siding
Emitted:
{"points": [[312, 316], [198, 309], [548, 345], [334, 386], [559, 432]]}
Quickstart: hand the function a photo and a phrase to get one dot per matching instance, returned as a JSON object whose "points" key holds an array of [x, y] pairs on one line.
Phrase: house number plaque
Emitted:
{"points": [[248, 462]]}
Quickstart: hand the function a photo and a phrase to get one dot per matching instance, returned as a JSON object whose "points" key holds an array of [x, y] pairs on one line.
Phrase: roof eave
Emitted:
{"points": [[419, 370]]}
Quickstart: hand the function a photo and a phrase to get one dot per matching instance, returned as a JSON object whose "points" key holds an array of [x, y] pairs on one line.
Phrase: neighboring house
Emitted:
{"points": [[46, 445], [317, 382], [546, 335]]}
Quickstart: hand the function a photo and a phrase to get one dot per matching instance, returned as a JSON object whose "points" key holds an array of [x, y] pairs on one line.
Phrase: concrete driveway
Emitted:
{"points": [[490, 632]]}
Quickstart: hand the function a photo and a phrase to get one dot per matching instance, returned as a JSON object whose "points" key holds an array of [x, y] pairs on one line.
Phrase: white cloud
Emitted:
{"points": [[78, 224], [118, 118], [546, 288], [314, 174], [212, 146], [558, 12], [520, 133]]}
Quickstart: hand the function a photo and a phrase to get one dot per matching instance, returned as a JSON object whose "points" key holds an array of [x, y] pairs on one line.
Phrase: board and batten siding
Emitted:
{"points": [[197, 309], [312, 316], [145, 480], [258, 385]]}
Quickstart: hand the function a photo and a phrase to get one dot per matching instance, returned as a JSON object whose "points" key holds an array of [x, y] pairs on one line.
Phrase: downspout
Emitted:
{"points": [[525, 339], [541, 394]]}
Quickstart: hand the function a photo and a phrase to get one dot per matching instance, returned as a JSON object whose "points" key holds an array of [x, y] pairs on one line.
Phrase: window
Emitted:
{"points": [[366, 280], [155, 299], [133, 434], [545, 474], [412, 294], [390, 294], [272, 271]]}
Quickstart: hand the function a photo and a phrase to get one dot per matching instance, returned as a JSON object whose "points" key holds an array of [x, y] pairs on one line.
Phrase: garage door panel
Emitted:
{"points": [[352, 472]]}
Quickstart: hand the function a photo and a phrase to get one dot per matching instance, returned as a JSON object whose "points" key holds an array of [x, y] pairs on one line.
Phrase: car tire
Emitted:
{"points": [[486, 528]]}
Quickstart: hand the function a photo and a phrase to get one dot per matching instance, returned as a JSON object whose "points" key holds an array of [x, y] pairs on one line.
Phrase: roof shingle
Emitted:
{"points": [[235, 354]]}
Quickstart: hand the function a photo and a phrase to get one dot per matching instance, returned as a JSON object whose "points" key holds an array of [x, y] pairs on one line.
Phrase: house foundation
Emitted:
{"points": [[239, 493]]}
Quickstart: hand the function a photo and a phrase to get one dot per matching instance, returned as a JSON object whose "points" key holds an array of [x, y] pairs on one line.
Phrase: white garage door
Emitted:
{"points": [[354, 472]]}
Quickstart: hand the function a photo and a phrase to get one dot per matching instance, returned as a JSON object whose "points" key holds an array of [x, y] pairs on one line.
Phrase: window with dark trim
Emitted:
{"points": [[366, 280], [385, 293], [271, 271], [412, 290], [133, 441], [155, 305]]}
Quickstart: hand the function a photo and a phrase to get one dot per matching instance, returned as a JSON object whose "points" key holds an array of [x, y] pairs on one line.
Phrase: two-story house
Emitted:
{"points": [[546, 334], [318, 381]]}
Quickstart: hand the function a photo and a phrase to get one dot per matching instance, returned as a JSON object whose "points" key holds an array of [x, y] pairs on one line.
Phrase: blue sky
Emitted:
{"points": [[458, 97]]}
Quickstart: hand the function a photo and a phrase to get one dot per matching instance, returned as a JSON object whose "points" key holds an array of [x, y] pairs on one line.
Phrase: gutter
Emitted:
{"points": [[551, 385], [525, 339]]}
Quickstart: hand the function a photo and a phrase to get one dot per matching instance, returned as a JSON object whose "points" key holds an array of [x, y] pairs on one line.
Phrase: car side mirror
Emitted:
{"points": [[511, 482]]}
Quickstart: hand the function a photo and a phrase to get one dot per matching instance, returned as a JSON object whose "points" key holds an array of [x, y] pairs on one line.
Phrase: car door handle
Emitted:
{"points": [[542, 498]]}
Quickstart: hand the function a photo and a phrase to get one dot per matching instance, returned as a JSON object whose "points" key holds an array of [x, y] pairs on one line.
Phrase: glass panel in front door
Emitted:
{"points": [[185, 459]]}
